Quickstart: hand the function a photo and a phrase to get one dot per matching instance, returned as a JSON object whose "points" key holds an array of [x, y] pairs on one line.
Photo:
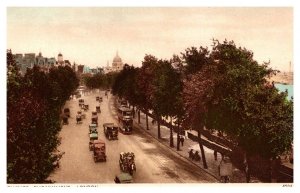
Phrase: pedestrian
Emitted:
{"points": [[216, 155], [182, 140]]}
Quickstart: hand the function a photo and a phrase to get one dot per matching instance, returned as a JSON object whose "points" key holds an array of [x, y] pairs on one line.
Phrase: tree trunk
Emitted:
{"points": [[171, 135], [202, 149], [178, 139], [274, 167], [139, 116], [147, 125], [246, 164], [133, 111], [158, 127]]}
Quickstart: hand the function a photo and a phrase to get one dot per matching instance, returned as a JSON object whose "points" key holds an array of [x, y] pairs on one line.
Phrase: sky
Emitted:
{"points": [[92, 36]]}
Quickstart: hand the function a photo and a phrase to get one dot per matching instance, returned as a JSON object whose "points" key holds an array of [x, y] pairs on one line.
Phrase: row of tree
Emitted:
{"points": [[223, 89], [100, 80], [34, 103]]}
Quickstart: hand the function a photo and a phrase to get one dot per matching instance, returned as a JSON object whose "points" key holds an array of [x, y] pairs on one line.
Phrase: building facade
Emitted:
{"points": [[117, 65]]}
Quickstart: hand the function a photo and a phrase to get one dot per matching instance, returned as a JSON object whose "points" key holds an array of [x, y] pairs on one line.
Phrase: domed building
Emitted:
{"points": [[117, 64]]}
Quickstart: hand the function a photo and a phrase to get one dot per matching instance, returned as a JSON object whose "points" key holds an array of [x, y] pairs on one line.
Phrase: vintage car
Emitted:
{"points": [[85, 107], [110, 131], [83, 115], [123, 178], [94, 119], [93, 135], [78, 119], [126, 162], [98, 147], [81, 102], [93, 130], [92, 127], [98, 110], [67, 112]]}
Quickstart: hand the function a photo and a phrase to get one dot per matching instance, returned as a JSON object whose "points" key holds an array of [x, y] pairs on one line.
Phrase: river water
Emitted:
{"points": [[284, 87]]}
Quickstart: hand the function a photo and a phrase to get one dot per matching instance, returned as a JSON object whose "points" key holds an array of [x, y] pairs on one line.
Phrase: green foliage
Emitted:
{"points": [[167, 86], [100, 80], [231, 94], [195, 59], [33, 108], [125, 84]]}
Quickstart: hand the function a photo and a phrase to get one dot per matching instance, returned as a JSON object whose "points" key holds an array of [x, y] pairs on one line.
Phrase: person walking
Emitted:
{"points": [[216, 155], [182, 140]]}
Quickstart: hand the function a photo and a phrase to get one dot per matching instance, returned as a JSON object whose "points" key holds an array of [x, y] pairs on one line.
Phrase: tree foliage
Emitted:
{"points": [[232, 95], [33, 120]]}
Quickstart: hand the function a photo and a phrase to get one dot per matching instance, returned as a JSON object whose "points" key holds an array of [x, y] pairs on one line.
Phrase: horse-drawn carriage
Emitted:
{"points": [[98, 148], [126, 162], [110, 131]]}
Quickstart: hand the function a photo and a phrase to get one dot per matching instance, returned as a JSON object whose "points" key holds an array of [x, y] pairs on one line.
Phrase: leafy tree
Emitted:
{"points": [[145, 86], [231, 95], [33, 107], [195, 59], [166, 94]]}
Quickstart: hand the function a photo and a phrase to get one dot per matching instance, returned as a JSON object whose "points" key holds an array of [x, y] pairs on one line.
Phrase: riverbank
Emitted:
{"points": [[283, 78]]}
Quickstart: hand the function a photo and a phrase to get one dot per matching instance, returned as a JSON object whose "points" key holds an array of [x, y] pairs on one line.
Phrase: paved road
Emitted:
{"points": [[154, 162]]}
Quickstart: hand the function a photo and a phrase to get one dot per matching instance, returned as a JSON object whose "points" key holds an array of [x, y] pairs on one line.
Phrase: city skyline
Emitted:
{"points": [[92, 36]]}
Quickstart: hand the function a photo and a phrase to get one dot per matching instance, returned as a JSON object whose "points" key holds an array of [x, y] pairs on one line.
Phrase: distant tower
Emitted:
{"points": [[290, 67], [60, 59]]}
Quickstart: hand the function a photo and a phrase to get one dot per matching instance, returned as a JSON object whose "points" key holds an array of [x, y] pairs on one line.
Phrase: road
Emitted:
{"points": [[155, 163]]}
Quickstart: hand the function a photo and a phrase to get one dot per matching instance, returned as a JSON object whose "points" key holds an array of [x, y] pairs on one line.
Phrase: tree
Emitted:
{"points": [[33, 107], [145, 84], [166, 93], [233, 96], [195, 59]]}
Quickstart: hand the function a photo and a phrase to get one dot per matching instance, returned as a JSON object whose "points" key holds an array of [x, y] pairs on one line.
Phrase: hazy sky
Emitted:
{"points": [[91, 36]]}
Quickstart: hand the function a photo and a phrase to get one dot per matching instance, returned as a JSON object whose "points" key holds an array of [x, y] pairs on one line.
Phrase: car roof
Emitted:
{"points": [[99, 141], [125, 177]]}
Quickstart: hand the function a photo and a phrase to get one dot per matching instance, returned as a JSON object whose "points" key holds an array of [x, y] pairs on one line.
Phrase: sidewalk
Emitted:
{"points": [[237, 177]]}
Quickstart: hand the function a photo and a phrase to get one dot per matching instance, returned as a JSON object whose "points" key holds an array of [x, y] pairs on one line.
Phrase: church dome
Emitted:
{"points": [[117, 59]]}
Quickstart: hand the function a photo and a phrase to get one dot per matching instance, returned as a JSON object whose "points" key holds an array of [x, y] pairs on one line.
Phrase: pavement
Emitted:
{"points": [[237, 175]]}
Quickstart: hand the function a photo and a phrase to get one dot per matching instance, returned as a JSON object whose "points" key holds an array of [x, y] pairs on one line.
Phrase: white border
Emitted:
{"points": [[148, 3]]}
